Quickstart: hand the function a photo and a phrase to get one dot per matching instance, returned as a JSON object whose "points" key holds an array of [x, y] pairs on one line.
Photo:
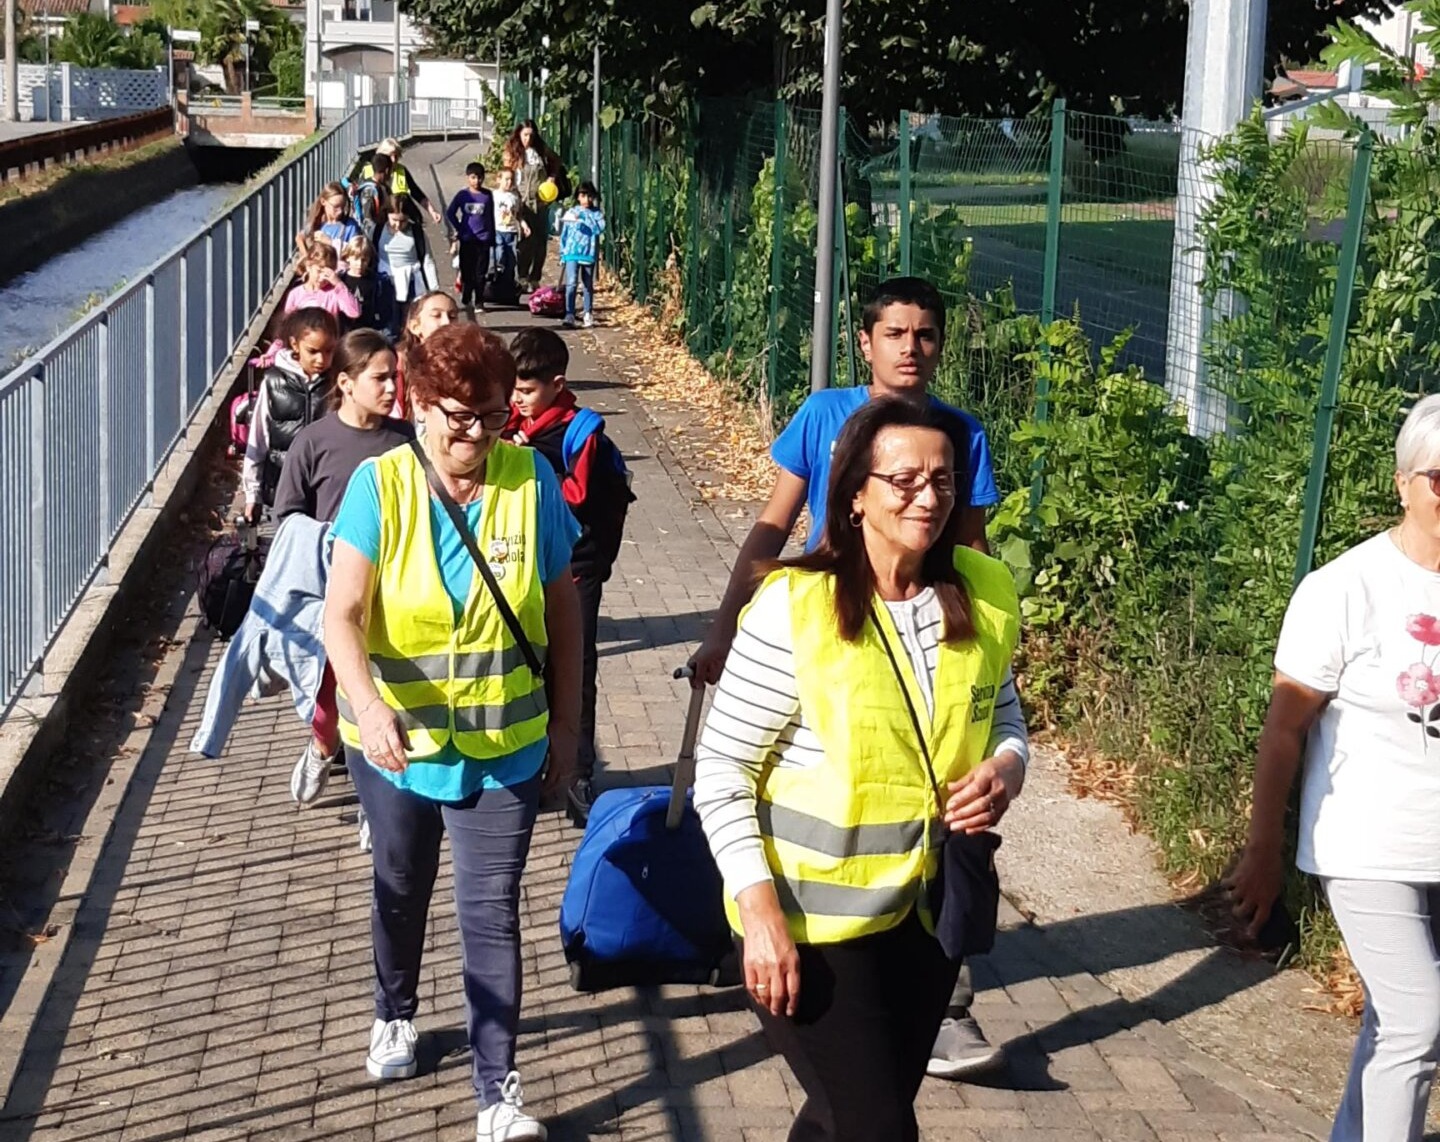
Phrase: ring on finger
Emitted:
{"points": [[762, 987]]}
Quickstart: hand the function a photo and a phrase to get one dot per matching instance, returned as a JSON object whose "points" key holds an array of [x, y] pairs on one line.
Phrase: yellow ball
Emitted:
{"points": [[548, 191]]}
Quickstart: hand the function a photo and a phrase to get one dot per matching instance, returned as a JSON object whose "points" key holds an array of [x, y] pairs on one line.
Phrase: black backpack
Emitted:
{"points": [[501, 289], [227, 579]]}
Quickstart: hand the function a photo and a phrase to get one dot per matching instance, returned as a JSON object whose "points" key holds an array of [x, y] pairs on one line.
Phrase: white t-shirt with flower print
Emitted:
{"points": [[1366, 628]]}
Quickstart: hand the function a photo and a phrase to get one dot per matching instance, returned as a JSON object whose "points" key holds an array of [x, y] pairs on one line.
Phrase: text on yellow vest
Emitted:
{"points": [[851, 840], [456, 679]]}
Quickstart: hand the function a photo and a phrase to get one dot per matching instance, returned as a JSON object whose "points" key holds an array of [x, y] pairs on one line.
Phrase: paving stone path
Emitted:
{"points": [[216, 982]]}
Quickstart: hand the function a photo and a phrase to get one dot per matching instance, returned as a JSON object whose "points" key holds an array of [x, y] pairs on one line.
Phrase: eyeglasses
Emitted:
{"points": [[1431, 474], [908, 485], [464, 419]]}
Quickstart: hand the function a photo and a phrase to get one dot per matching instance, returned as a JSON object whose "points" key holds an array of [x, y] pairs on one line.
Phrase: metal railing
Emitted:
{"points": [[87, 423]]}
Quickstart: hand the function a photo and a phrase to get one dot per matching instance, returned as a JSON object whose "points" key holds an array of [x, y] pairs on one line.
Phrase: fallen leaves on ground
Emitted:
{"points": [[722, 435]]}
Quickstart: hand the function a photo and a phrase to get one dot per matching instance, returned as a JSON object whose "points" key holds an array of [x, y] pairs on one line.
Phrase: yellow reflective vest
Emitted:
{"points": [[456, 680], [851, 841], [399, 177]]}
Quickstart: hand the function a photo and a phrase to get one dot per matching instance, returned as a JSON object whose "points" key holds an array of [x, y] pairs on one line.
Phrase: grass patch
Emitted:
{"points": [[1120, 238], [60, 174]]}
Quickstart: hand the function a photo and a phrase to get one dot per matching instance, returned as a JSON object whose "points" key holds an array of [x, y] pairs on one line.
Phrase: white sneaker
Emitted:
{"points": [[588, 321], [392, 1049], [364, 823], [504, 1121], [310, 775]]}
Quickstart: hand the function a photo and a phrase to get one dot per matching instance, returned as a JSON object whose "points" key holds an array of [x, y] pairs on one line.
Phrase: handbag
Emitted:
{"points": [[457, 517], [964, 897]]}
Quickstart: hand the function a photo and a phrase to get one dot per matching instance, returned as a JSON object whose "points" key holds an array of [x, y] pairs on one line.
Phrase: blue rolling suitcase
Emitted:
{"points": [[643, 905]]}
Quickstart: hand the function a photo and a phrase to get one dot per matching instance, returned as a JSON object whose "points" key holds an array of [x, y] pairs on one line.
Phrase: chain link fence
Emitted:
{"points": [[1162, 335]]}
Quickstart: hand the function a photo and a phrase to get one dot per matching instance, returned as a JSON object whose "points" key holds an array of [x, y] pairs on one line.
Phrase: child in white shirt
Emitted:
{"points": [[509, 224]]}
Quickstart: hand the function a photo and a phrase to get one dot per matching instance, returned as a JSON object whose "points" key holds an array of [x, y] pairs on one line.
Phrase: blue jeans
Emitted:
{"points": [[586, 277], [503, 258], [489, 841]]}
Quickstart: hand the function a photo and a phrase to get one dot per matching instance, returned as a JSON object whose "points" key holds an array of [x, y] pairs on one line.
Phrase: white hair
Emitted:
{"points": [[1418, 445]]}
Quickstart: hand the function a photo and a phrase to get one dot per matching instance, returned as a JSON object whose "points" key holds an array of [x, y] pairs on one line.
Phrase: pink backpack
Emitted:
{"points": [[547, 301]]}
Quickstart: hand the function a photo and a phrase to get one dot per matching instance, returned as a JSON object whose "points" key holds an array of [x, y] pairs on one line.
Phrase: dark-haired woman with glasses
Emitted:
{"points": [[1357, 699], [445, 718], [867, 708]]}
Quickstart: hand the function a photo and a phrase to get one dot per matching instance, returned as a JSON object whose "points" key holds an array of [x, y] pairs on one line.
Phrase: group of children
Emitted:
{"points": [[330, 401], [488, 225]]}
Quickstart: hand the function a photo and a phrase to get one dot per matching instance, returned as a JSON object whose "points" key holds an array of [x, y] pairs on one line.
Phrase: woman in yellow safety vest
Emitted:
{"points": [[449, 590], [865, 710]]}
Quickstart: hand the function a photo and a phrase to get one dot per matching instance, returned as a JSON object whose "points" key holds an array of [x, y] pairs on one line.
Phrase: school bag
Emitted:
{"points": [[227, 578], [242, 410], [644, 904], [501, 289], [547, 301], [610, 497]]}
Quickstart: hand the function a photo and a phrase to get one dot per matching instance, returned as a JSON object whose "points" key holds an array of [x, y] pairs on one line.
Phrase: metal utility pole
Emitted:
{"points": [[396, 47], [12, 66], [1224, 70], [595, 120], [822, 339]]}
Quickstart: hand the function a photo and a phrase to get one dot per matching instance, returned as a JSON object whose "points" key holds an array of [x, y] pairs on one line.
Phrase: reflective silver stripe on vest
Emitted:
{"points": [[436, 667], [821, 836], [814, 898], [492, 719], [468, 719], [419, 718]]}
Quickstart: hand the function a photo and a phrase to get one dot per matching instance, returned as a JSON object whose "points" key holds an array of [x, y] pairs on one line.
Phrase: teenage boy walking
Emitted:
{"points": [[596, 485], [902, 334]]}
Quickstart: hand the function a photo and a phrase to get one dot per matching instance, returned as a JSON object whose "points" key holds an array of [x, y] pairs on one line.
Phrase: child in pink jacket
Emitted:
{"points": [[321, 287]]}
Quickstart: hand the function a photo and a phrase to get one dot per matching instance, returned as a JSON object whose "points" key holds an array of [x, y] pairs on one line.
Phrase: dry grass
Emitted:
{"points": [[720, 434]]}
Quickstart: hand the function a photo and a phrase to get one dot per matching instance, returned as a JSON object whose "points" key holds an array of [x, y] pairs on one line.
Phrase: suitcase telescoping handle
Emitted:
{"points": [[685, 763]]}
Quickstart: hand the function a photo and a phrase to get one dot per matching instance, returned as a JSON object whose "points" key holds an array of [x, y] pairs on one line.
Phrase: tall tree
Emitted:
{"points": [[983, 57]]}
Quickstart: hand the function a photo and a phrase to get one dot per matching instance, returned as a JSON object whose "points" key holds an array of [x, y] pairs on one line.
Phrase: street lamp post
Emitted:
{"points": [[822, 336], [595, 120]]}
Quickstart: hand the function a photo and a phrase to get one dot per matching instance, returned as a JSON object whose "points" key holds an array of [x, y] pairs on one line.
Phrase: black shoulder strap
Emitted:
{"points": [[457, 517]]}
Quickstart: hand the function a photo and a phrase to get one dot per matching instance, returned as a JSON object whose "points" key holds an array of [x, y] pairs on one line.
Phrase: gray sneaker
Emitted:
{"points": [[310, 775], [961, 1049]]}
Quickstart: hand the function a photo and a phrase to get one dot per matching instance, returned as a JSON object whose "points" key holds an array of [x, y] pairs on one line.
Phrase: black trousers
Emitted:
{"points": [[474, 263], [590, 589], [869, 1011]]}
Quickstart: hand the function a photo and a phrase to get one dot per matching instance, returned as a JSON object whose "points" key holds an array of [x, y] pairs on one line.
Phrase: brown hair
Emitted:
{"points": [[317, 209], [460, 362], [842, 553], [321, 254], [515, 150], [408, 340], [353, 356], [398, 204]]}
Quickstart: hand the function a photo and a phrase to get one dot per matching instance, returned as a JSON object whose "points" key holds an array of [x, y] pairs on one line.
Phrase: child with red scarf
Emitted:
{"points": [[596, 485]]}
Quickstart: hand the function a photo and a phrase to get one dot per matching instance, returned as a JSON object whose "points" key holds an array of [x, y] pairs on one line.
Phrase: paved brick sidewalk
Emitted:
{"points": [[217, 980]]}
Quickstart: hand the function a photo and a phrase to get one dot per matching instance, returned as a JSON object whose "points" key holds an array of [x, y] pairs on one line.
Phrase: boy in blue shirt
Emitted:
{"points": [[580, 231], [901, 337]]}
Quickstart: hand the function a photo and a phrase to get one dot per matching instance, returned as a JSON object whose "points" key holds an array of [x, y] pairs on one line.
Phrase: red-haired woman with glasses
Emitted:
{"points": [[1357, 699], [444, 712]]}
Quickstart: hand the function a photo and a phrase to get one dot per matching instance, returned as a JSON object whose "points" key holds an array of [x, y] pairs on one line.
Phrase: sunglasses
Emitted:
{"points": [[1433, 475]]}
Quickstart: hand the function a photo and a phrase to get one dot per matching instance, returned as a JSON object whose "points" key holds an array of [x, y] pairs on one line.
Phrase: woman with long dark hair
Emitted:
{"points": [[865, 713], [534, 163]]}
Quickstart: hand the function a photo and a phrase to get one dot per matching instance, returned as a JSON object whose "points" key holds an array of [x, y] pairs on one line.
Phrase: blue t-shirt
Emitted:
{"points": [[804, 449], [340, 232], [451, 776]]}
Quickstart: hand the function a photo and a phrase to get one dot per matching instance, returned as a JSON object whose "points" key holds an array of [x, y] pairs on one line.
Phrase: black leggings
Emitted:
{"points": [[869, 1011], [474, 262]]}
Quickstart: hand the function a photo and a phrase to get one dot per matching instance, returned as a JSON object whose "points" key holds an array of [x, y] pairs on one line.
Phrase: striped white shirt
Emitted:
{"points": [[755, 721]]}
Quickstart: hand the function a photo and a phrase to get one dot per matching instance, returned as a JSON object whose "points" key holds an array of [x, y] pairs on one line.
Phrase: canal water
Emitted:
{"points": [[34, 307]]}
